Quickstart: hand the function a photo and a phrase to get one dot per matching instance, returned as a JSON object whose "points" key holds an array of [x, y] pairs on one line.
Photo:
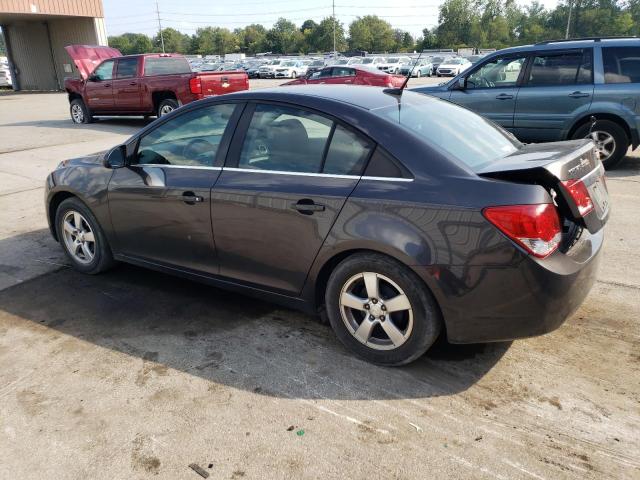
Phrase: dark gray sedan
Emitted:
{"points": [[397, 216]]}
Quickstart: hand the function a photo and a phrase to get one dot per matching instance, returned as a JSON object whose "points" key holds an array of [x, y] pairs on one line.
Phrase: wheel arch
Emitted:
{"points": [[54, 202], [619, 120], [329, 264], [159, 96], [71, 95]]}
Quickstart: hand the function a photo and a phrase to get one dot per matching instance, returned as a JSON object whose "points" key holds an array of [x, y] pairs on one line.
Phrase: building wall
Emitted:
{"points": [[85, 8], [38, 54]]}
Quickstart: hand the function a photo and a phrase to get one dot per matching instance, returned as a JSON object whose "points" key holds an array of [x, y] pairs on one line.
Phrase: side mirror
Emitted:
{"points": [[92, 78], [461, 84], [116, 158]]}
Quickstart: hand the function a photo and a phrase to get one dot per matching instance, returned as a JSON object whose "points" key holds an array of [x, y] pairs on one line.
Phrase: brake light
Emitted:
{"points": [[578, 191], [195, 85], [534, 227]]}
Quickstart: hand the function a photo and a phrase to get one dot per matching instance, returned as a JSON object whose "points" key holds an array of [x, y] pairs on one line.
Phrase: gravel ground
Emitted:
{"points": [[134, 374]]}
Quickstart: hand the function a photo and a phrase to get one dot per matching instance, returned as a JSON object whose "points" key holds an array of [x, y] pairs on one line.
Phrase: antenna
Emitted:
{"points": [[160, 26], [411, 72], [333, 5]]}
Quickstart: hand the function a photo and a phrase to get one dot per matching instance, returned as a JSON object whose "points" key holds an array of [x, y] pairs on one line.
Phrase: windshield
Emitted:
{"points": [[438, 59], [317, 63], [289, 64], [463, 134], [455, 61], [367, 60], [341, 62], [275, 62], [393, 60]]}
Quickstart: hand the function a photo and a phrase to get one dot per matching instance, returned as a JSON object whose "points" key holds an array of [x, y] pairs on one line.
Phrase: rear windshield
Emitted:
{"points": [[165, 66], [463, 134]]}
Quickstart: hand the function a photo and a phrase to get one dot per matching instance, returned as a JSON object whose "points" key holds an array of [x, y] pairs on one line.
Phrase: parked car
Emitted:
{"points": [[253, 71], [348, 61], [475, 58], [373, 62], [149, 84], [393, 64], [550, 91], [315, 65], [452, 67], [397, 216], [291, 69], [352, 75], [436, 61], [268, 70], [5, 78], [418, 68]]}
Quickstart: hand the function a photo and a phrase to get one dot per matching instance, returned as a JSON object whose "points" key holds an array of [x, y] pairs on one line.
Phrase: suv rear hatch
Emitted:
{"points": [[571, 171], [87, 57]]}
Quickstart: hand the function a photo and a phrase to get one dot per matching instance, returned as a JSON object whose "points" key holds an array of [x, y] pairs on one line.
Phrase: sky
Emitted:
{"points": [[187, 15]]}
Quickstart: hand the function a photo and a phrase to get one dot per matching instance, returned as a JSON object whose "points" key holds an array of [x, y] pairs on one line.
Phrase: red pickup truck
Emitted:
{"points": [[148, 84]]}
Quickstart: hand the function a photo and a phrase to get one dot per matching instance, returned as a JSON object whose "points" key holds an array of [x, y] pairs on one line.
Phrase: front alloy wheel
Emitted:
{"points": [[77, 114], [78, 237], [376, 311]]}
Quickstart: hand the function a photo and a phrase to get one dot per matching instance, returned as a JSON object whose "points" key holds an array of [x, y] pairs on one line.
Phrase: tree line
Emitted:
{"points": [[478, 24]]}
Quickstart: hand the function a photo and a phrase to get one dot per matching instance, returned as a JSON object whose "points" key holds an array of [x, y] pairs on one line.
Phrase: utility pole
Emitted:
{"points": [[160, 26], [333, 3], [566, 35]]}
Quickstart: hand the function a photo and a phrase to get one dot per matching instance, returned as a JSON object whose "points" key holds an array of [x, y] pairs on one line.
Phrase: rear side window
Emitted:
{"points": [[165, 66], [127, 68], [565, 68], [347, 153], [342, 72], [621, 64]]}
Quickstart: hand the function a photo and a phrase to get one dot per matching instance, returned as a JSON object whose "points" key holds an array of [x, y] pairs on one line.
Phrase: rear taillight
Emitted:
{"points": [[578, 191], [195, 85], [534, 227]]}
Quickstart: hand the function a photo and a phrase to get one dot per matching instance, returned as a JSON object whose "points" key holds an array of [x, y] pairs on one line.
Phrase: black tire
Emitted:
{"points": [[613, 129], [418, 74], [167, 106], [103, 258], [427, 321], [79, 112]]}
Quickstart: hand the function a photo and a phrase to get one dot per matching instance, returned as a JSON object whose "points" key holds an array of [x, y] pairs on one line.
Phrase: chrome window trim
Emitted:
{"points": [[309, 174], [194, 167]]}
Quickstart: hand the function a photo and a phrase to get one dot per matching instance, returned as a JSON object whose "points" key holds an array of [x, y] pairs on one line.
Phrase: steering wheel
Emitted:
{"points": [[196, 148]]}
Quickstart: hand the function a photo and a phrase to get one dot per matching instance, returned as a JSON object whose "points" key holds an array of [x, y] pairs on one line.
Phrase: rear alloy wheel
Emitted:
{"points": [[79, 112], [82, 238], [610, 139], [294, 75], [418, 74], [167, 106], [381, 310]]}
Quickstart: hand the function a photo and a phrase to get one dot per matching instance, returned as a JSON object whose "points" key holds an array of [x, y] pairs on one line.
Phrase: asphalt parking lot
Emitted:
{"points": [[135, 374]]}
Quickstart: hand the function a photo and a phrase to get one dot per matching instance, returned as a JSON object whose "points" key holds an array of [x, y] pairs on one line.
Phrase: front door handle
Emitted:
{"points": [[578, 94], [133, 83], [190, 198], [307, 206], [504, 96], [107, 85]]}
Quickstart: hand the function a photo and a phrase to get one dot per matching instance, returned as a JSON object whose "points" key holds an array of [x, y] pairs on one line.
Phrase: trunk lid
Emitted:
{"points": [[87, 57], [570, 170]]}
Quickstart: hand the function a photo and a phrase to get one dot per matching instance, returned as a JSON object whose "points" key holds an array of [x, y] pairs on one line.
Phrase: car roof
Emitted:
{"points": [[367, 98], [570, 44]]}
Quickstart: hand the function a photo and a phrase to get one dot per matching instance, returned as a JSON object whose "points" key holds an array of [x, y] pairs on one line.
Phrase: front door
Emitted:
{"points": [[557, 88], [160, 204], [492, 88], [126, 85], [288, 175], [99, 87]]}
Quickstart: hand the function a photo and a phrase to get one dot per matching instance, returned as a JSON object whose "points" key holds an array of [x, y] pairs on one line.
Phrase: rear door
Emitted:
{"points": [[556, 89], [341, 75], [126, 85], [288, 175], [491, 89], [99, 87], [160, 203]]}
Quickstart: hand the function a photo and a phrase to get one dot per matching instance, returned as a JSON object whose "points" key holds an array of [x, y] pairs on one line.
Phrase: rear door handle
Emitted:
{"points": [[190, 198], [107, 85], [504, 96], [133, 83], [307, 206], [578, 95]]}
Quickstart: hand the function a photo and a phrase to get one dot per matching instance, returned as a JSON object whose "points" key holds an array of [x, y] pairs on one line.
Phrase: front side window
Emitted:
{"points": [[343, 72], [498, 73], [104, 71], [285, 139], [127, 68], [621, 64], [566, 68], [190, 139]]}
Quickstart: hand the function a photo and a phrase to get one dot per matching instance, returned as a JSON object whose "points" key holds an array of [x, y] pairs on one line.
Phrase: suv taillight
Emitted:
{"points": [[195, 85], [534, 227], [578, 191]]}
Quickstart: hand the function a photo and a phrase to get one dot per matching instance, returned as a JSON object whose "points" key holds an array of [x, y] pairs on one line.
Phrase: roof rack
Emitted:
{"points": [[595, 39]]}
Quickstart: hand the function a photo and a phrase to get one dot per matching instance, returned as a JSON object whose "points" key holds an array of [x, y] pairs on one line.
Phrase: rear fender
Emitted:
{"points": [[619, 112]]}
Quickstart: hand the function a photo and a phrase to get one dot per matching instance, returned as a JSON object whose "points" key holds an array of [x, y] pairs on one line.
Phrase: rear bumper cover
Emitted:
{"points": [[524, 298]]}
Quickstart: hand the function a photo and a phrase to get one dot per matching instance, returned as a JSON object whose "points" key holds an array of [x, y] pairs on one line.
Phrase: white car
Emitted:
{"points": [[5, 77], [268, 70], [453, 67], [373, 62], [291, 69], [394, 64]]}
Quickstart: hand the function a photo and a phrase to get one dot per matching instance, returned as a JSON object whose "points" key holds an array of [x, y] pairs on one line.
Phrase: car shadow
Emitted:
{"points": [[229, 338], [125, 125], [629, 166]]}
